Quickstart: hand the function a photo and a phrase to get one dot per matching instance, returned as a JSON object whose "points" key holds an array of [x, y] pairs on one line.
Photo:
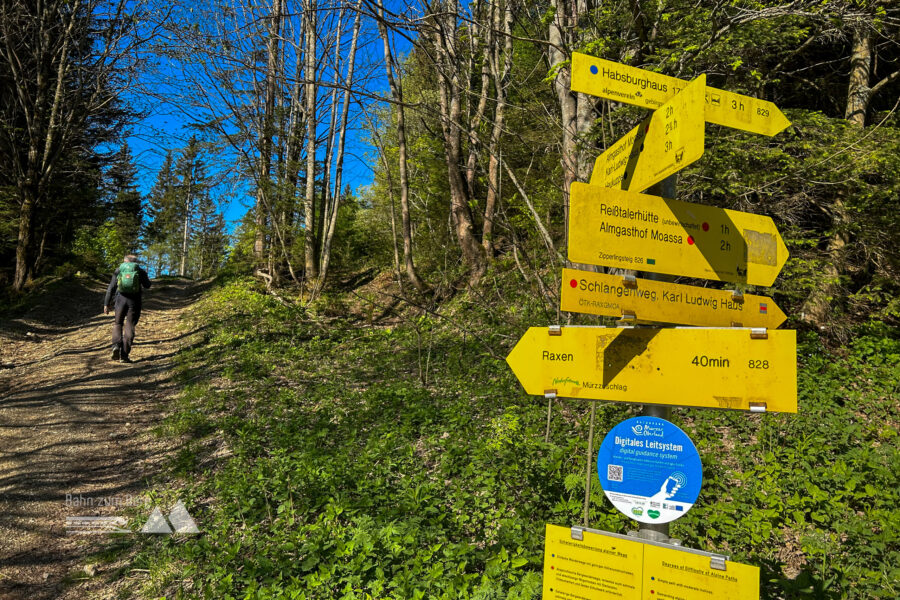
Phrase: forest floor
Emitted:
{"points": [[75, 429]]}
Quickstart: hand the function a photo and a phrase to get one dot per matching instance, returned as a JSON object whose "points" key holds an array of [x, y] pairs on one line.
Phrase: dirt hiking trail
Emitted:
{"points": [[74, 424]]}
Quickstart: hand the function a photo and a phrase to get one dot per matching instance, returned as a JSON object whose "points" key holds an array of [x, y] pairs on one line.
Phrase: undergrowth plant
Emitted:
{"points": [[340, 458]]}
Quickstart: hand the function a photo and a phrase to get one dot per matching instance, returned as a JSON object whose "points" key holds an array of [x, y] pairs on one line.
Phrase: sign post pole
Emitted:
{"points": [[658, 532], [589, 472]]}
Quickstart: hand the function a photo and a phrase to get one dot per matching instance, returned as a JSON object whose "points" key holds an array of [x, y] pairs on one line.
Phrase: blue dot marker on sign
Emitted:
{"points": [[594, 69], [650, 470]]}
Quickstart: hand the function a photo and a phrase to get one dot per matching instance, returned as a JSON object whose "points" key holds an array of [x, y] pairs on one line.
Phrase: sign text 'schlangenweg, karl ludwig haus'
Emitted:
{"points": [[645, 300]]}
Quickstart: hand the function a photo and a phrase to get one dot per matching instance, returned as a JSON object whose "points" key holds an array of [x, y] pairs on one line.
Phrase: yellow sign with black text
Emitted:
{"points": [[603, 565], [646, 300], [734, 368], [662, 144], [627, 230], [631, 85]]}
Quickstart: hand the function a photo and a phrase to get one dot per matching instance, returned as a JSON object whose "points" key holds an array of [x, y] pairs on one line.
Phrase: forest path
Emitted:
{"points": [[76, 425]]}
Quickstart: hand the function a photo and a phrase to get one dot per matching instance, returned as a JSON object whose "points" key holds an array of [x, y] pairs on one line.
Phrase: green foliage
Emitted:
{"points": [[339, 474], [99, 248]]}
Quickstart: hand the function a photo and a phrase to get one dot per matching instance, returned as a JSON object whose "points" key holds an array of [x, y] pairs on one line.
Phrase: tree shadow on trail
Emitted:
{"points": [[73, 423]]}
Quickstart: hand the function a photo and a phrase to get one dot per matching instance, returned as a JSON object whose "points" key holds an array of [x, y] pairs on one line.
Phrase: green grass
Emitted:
{"points": [[320, 464]]}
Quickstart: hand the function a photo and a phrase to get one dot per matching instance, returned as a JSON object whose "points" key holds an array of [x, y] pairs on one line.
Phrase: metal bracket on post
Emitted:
{"points": [[629, 281], [550, 394], [554, 330], [737, 296], [578, 533], [759, 333], [736, 324], [628, 316], [758, 407], [717, 563]]}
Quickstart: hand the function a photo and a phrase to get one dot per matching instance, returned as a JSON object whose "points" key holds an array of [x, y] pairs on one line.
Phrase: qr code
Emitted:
{"points": [[614, 472]]}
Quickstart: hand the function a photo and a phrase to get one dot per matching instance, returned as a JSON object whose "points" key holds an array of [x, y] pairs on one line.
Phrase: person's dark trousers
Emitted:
{"points": [[128, 311]]}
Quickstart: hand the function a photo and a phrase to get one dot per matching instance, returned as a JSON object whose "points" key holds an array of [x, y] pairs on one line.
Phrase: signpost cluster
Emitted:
{"points": [[676, 344]]}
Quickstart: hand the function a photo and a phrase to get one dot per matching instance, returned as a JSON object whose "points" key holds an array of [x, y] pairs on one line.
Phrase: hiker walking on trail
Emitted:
{"points": [[126, 284]]}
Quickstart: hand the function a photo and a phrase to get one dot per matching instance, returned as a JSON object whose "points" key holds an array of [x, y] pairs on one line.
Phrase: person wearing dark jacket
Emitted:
{"points": [[127, 308]]}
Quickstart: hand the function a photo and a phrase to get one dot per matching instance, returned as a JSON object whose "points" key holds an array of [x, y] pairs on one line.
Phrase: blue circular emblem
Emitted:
{"points": [[594, 69], [650, 470]]}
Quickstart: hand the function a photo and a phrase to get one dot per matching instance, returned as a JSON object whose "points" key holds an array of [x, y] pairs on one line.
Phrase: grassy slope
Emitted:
{"points": [[321, 466]]}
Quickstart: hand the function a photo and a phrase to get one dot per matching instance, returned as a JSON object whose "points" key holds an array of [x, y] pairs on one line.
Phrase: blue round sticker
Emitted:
{"points": [[650, 469]]}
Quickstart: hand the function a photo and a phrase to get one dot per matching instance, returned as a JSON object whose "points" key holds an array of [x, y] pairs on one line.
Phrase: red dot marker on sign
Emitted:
{"points": [[690, 240], [706, 227], [573, 283]]}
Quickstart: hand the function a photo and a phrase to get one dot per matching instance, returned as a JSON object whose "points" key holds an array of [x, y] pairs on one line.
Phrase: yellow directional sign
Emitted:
{"points": [[670, 572], [640, 87], [714, 368], [607, 566], [662, 144], [638, 231], [596, 566], [657, 301]]}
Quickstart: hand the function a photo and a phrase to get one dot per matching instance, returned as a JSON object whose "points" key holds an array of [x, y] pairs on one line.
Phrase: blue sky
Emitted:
{"points": [[168, 123]]}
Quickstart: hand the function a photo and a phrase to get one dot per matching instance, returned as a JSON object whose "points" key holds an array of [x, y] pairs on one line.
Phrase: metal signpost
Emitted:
{"points": [[648, 468]]}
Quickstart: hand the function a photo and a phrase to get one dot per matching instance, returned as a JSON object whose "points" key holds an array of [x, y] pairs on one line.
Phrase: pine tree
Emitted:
{"points": [[190, 170], [208, 239], [126, 211], [160, 235]]}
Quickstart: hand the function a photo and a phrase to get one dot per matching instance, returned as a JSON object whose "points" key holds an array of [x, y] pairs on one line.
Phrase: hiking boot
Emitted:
{"points": [[125, 358], [117, 352]]}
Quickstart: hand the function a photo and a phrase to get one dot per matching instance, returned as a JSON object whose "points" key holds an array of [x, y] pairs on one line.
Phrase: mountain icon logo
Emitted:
{"points": [[179, 521]]}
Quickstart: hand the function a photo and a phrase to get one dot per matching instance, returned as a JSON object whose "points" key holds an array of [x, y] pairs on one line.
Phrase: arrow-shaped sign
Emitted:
{"points": [[713, 368], [664, 143], [661, 302], [615, 81], [638, 231]]}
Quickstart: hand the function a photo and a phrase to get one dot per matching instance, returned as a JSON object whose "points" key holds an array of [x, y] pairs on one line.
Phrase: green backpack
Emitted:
{"points": [[129, 279]]}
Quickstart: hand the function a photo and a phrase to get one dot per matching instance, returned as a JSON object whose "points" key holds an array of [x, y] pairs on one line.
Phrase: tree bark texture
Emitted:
{"points": [[397, 92], [444, 35]]}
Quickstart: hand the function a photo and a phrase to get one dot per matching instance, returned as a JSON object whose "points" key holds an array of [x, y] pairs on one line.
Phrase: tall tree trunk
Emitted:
{"points": [[187, 221], [817, 306], [309, 237], [483, 32], [397, 92], [568, 106], [40, 162], [502, 18], [444, 36], [23, 241], [339, 162], [266, 133], [860, 71]]}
